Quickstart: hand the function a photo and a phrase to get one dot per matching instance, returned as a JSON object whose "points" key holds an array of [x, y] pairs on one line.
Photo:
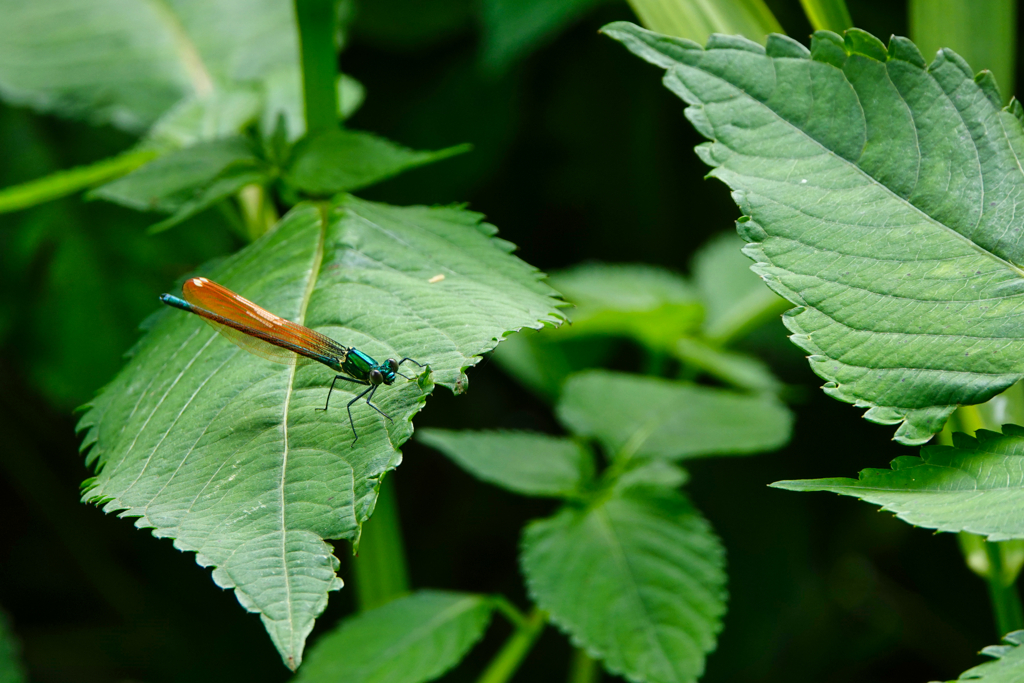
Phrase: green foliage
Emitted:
{"points": [[650, 304], [638, 579], [977, 485], [409, 640], [223, 452], [1008, 665], [344, 160], [125, 63], [697, 20], [73, 180], [10, 667], [656, 418], [903, 277], [512, 28], [187, 181], [664, 312], [827, 15], [983, 33], [526, 463]]}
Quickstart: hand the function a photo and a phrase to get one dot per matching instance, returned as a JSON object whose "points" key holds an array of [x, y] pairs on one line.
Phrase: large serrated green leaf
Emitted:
{"points": [[639, 581], [410, 640], [882, 197], [976, 485], [529, 463], [1008, 666], [651, 417], [223, 451], [125, 62]]}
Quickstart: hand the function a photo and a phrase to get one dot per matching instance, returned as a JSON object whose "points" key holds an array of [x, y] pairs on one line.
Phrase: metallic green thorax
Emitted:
{"points": [[358, 365]]}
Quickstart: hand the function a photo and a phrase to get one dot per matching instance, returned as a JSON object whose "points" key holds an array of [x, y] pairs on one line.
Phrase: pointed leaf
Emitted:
{"points": [[225, 453], [346, 160], [525, 462], [639, 581], [976, 485], [1008, 666], [652, 417], [125, 62], [881, 197], [177, 179], [409, 640]]}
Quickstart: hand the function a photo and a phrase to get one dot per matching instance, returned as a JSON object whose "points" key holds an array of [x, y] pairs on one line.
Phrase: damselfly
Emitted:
{"points": [[261, 332]]}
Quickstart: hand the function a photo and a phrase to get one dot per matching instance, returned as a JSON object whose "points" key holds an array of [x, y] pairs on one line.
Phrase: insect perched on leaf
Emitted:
{"points": [[261, 332]]}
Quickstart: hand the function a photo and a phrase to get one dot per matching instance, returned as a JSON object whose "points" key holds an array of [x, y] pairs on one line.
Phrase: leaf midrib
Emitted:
{"points": [[318, 256], [191, 59]]}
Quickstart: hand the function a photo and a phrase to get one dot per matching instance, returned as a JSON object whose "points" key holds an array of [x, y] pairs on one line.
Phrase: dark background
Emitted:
{"points": [[579, 154]]}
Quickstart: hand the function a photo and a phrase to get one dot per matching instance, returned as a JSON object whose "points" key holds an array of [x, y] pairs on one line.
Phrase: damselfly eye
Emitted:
{"points": [[376, 377]]}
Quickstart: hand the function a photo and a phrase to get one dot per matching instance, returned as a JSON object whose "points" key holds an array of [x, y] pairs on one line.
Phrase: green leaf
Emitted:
{"points": [[977, 485], [901, 268], [223, 451], [735, 299], [10, 666], [697, 20], [650, 304], [984, 34], [639, 581], [186, 181], [412, 639], [524, 462], [1008, 666], [514, 28], [652, 417], [346, 160], [125, 63]]}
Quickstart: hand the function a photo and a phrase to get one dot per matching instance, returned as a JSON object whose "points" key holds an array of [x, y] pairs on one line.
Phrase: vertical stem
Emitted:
{"points": [[584, 668], [1005, 598], [316, 20], [379, 567], [504, 665]]}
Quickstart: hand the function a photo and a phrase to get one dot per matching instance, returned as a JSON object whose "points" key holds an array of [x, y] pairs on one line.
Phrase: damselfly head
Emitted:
{"points": [[388, 370]]}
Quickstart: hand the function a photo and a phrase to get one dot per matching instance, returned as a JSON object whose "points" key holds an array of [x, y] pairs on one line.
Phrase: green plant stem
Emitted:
{"points": [[1005, 598], [982, 32], [584, 668], [63, 183], [828, 15], [379, 567], [505, 663], [698, 20], [316, 20]]}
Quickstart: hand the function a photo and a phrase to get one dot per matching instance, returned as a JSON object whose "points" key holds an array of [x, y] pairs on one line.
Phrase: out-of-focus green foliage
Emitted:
{"points": [[410, 640], [983, 33]]}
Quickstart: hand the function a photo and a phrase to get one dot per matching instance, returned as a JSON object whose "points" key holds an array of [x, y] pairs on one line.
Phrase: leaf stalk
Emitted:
{"points": [[519, 644]]}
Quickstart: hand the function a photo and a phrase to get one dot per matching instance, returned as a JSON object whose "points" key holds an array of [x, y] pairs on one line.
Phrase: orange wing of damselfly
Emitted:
{"points": [[256, 329]]}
